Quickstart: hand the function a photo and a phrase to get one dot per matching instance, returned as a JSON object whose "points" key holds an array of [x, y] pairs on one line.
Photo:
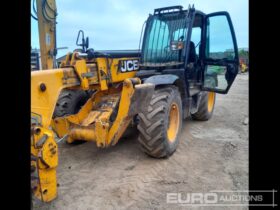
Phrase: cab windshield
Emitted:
{"points": [[164, 40]]}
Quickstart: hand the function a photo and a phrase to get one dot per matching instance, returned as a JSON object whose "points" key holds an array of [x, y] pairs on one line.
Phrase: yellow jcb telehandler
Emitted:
{"points": [[94, 95]]}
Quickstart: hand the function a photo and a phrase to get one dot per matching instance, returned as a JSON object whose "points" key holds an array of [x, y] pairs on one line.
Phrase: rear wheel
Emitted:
{"points": [[160, 124], [206, 106], [70, 102]]}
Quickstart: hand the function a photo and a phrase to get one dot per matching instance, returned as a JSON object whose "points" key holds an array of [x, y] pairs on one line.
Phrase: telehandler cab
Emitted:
{"points": [[186, 57]]}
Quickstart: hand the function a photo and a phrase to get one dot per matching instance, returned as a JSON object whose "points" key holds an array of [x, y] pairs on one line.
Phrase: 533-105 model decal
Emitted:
{"points": [[128, 65]]}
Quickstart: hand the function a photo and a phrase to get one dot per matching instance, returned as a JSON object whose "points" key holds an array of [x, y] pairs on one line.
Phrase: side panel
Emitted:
{"points": [[45, 88]]}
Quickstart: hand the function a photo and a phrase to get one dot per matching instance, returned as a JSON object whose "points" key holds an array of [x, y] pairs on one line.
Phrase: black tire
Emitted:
{"points": [[204, 113], [154, 123], [70, 102]]}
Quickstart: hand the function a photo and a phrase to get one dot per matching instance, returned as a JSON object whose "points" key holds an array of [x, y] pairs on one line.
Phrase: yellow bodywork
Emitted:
{"points": [[102, 119], [45, 159], [92, 122]]}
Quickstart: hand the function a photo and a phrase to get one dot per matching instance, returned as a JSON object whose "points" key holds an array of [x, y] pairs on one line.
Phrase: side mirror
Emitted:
{"points": [[78, 38], [82, 42]]}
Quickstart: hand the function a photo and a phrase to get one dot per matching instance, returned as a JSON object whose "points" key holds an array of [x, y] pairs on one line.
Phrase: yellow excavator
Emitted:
{"points": [[95, 95]]}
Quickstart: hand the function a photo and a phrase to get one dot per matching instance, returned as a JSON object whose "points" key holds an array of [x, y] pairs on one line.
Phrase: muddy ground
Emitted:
{"points": [[212, 155]]}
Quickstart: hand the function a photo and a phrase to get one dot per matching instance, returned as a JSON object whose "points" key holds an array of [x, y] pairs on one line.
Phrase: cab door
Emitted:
{"points": [[220, 57]]}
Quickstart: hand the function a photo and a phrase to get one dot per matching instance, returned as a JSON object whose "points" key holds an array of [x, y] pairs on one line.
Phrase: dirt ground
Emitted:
{"points": [[211, 155]]}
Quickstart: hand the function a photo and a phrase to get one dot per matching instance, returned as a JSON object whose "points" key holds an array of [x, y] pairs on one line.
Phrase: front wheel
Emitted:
{"points": [[160, 124]]}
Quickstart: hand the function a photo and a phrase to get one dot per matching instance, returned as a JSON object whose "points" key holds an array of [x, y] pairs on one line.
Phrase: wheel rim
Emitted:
{"points": [[211, 100], [173, 125]]}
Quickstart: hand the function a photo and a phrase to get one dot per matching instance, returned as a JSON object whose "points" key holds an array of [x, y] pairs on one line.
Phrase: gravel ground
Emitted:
{"points": [[212, 155]]}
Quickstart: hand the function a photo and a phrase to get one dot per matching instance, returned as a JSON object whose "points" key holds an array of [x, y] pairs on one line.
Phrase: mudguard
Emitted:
{"points": [[166, 79]]}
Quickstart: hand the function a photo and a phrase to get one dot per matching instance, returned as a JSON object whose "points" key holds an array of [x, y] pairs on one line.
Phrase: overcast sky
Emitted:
{"points": [[117, 24]]}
